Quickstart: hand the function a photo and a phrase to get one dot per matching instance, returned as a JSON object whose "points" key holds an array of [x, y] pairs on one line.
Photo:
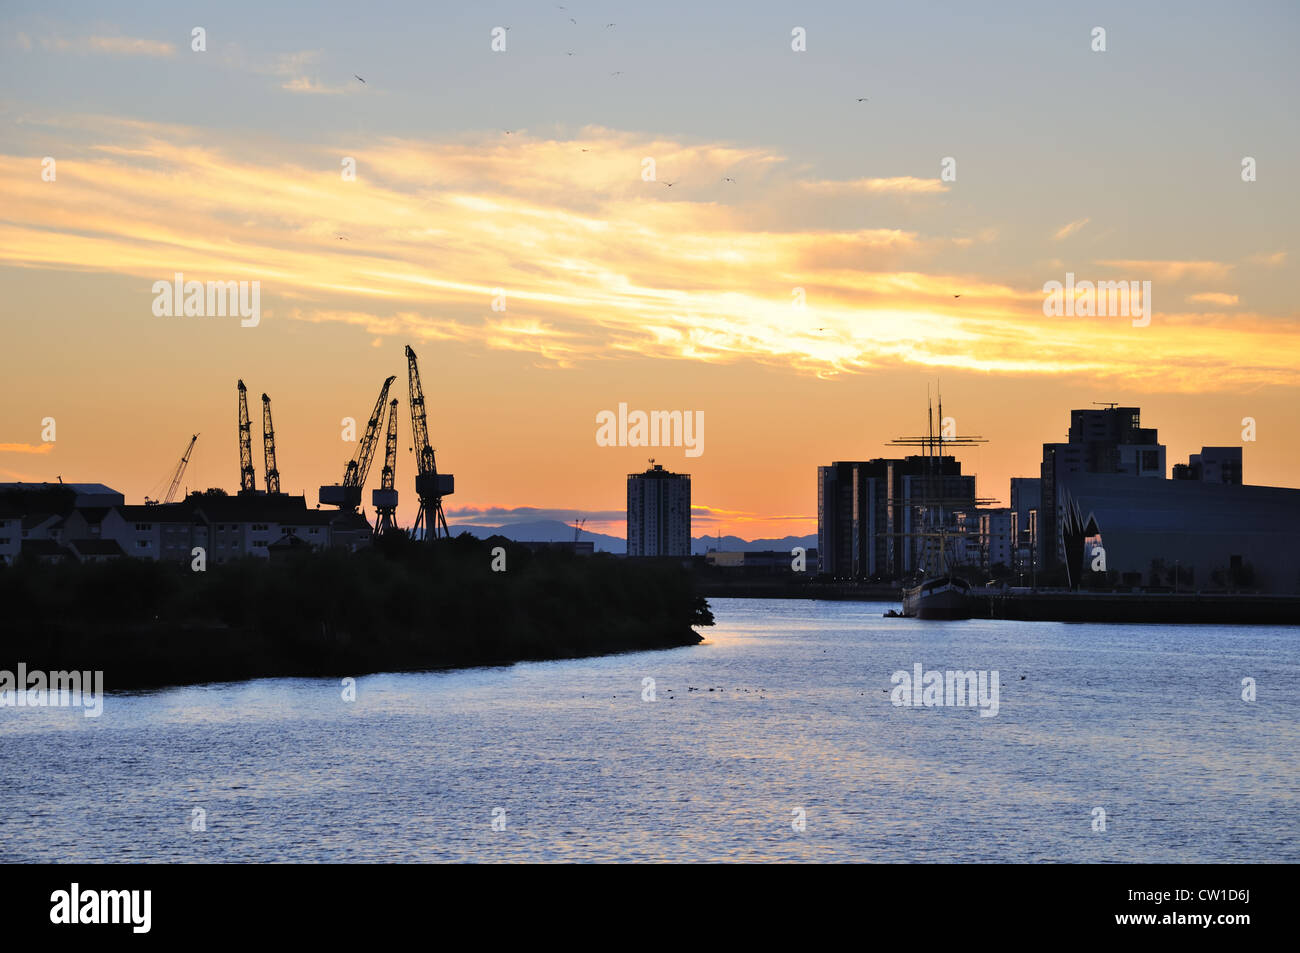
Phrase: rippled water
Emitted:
{"points": [[1144, 721]]}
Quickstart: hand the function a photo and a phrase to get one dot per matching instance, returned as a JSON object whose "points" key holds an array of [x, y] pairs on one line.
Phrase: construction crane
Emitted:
{"points": [[268, 447], [384, 498], [246, 479], [347, 495], [430, 485], [177, 473]]}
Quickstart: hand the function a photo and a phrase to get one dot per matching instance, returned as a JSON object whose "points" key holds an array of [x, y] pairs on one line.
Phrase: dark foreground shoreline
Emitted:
{"points": [[400, 606]]}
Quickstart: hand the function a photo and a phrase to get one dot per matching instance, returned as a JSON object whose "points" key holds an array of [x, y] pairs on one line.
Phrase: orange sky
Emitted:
{"points": [[617, 289]]}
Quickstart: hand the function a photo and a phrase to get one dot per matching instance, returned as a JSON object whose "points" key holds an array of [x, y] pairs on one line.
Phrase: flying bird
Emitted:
{"points": [[864, 99], [956, 296], [573, 21], [670, 184], [570, 53], [610, 25], [617, 72], [355, 76], [727, 178]]}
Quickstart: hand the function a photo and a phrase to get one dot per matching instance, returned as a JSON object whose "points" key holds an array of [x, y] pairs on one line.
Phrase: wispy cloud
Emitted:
{"points": [[596, 263], [1213, 297], [1170, 270], [26, 447], [1065, 231], [897, 184], [503, 515], [114, 45]]}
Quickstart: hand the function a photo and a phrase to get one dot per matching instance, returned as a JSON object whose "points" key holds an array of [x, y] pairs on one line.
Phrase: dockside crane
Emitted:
{"points": [[268, 447], [178, 473], [347, 495], [384, 498], [430, 485], [246, 478]]}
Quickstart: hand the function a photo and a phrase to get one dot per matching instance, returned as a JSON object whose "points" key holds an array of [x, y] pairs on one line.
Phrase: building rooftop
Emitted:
{"points": [[44, 547], [96, 547]]}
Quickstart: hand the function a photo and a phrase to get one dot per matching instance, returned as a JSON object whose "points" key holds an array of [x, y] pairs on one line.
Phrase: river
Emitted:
{"points": [[776, 739]]}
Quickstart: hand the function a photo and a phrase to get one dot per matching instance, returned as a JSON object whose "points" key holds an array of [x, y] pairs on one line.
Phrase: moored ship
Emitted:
{"points": [[939, 597]]}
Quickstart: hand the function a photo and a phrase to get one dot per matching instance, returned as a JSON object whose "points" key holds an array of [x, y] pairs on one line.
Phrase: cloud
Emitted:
{"points": [[1213, 297], [1276, 258], [1148, 270], [1065, 231], [131, 46], [597, 264], [303, 84], [26, 447], [898, 184], [510, 515], [114, 45]]}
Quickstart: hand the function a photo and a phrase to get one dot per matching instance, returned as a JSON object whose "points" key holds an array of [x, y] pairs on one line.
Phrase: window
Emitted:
{"points": [[144, 527], [142, 544]]}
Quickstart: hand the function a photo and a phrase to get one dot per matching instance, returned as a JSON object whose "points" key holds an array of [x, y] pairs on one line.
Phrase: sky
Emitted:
{"points": [[663, 205]]}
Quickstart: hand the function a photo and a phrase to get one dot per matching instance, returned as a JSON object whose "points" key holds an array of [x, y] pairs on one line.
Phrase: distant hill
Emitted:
{"points": [[542, 531], [734, 544], [554, 531]]}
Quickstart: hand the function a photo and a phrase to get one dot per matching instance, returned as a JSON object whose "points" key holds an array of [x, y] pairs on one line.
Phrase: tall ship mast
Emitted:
{"points": [[940, 593]]}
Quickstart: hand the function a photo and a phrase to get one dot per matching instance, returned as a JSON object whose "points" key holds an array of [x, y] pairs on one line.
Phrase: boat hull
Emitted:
{"points": [[947, 598]]}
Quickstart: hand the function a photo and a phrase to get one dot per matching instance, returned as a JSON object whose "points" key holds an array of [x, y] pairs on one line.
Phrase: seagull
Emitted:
{"points": [[355, 76], [727, 178], [570, 53], [864, 99], [617, 72], [609, 26], [956, 296], [509, 132], [586, 150], [670, 184], [343, 238], [573, 21]]}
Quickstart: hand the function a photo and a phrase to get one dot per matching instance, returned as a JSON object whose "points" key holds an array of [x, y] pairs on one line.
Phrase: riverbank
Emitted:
{"points": [[1141, 607], [1041, 605], [400, 606]]}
